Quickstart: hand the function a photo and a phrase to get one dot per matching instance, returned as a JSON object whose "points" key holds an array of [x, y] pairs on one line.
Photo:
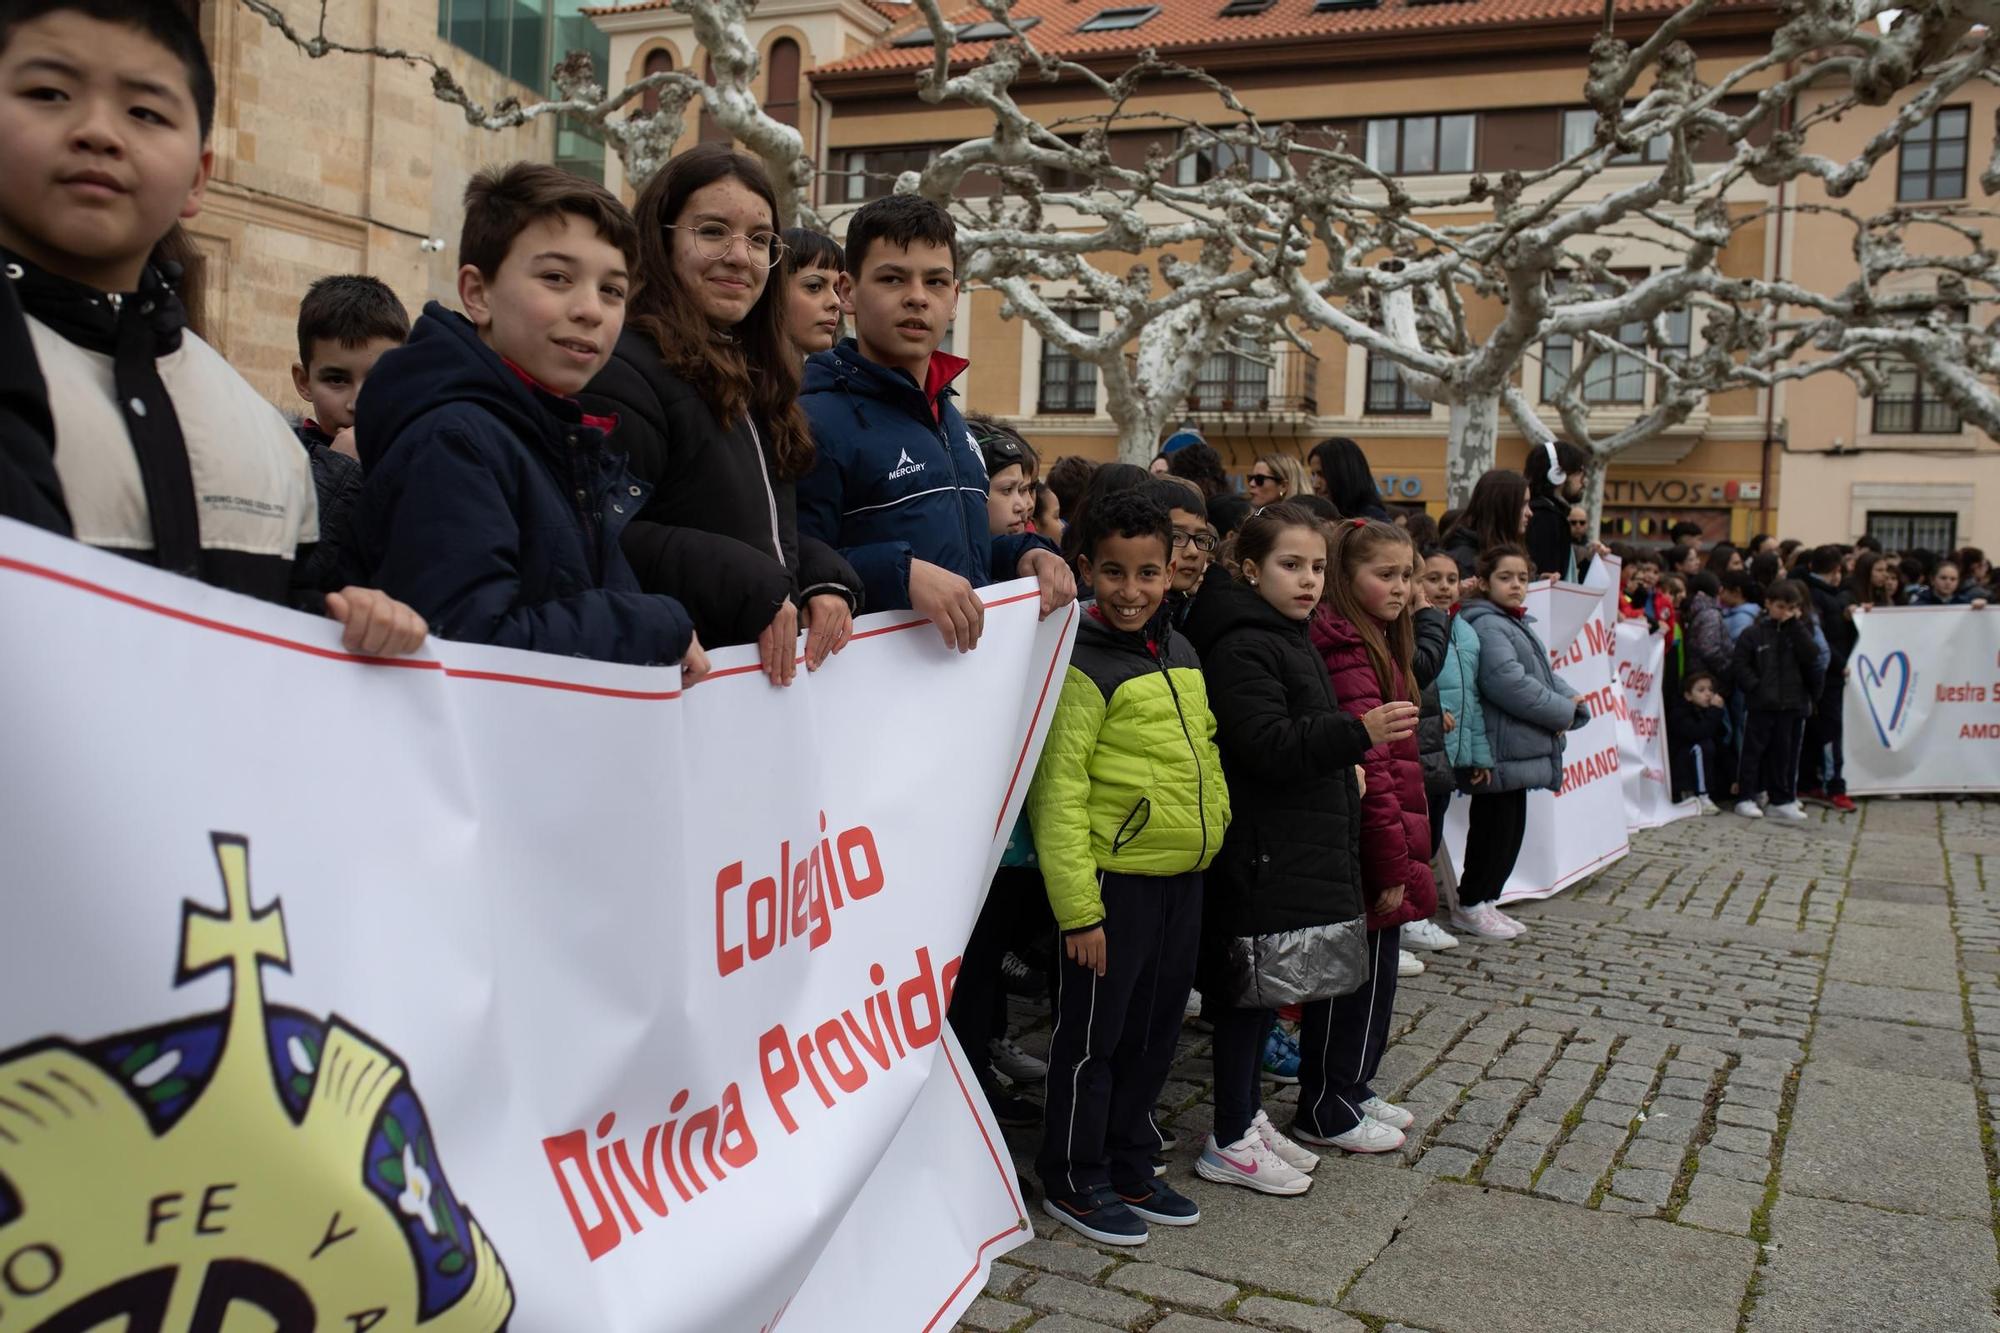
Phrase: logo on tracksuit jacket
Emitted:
{"points": [[905, 465]]}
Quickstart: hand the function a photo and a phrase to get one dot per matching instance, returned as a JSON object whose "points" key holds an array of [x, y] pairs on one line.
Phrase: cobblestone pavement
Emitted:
{"points": [[1745, 1079]]}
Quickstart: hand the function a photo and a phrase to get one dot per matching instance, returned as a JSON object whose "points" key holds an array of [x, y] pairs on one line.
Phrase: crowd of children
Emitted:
{"points": [[640, 433]]}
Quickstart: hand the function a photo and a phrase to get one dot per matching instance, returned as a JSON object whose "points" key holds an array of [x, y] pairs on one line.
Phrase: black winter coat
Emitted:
{"points": [[29, 488], [1283, 916], [337, 482], [720, 532], [1830, 603], [1777, 665], [1438, 777], [1549, 549], [494, 509]]}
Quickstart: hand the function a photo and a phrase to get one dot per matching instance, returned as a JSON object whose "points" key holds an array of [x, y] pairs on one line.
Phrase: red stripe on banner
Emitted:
{"points": [[1014, 1228], [1021, 763], [416, 664]]}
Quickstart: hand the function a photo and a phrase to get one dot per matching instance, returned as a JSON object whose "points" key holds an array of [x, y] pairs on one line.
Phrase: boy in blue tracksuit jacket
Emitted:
{"points": [[898, 485]]}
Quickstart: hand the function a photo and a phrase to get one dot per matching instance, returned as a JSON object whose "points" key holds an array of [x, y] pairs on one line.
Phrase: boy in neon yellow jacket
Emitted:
{"points": [[1128, 808]]}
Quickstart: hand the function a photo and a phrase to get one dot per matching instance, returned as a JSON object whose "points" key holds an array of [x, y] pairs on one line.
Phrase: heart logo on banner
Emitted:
{"points": [[1887, 684]]}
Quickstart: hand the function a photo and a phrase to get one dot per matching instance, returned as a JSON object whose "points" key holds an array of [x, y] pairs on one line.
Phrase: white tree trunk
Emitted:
{"points": [[1593, 496], [1473, 446]]}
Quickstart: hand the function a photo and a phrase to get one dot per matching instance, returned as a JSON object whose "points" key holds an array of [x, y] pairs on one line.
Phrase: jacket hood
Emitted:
{"points": [[1479, 608], [1332, 631], [1223, 604], [1096, 632], [842, 369], [445, 362]]}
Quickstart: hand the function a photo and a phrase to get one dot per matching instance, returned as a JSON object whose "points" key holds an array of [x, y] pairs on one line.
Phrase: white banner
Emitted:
{"points": [[1922, 710], [1642, 729], [1581, 829], [488, 989]]}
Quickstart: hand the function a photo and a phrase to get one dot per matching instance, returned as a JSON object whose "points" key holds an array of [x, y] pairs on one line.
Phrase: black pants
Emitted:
{"points": [[1821, 766], [1699, 768], [1770, 759], [1341, 1042], [1115, 1036], [1239, 1068], [1492, 844], [1440, 802], [978, 999]]}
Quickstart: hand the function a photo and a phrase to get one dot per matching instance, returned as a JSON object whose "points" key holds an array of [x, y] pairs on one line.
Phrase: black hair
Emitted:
{"points": [[1569, 458], [1684, 528], [171, 25], [1126, 513], [1704, 581], [899, 219], [1493, 513], [1320, 506], [350, 309], [1227, 513], [1000, 445], [1200, 464], [1739, 580], [1825, 559], [1694, 678], [1765, 568], [1261, 531], [806, 248], [1646, 555], [1718, 557], [1430, 551], [1350, 482], [1868, 543], [1787, 591], [1423, 529], [1069, 477], [1176, 494], [1109, 479]]}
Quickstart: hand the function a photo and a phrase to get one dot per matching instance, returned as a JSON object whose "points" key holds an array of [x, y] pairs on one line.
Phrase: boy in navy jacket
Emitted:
{"points": [[899, 487], [491, 504]]}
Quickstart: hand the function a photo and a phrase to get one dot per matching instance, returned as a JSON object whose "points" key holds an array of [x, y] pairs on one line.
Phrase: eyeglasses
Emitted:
{"points": [[712, 240], [1201, 541], [1260, 479]]}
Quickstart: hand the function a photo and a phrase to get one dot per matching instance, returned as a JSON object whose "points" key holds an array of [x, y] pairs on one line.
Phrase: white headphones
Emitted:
{"points": [[1556, 474]]}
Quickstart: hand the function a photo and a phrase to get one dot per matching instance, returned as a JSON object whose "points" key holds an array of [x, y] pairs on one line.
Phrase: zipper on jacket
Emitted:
{"points": [[1200, 783], [957, 484], [770, 496]]}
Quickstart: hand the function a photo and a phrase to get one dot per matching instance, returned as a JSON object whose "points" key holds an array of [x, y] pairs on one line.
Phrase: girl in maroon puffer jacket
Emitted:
{"points": [[1364, 628]]}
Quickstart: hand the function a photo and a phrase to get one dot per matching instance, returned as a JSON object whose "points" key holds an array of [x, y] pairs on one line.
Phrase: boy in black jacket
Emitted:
{"points": [[1777, 667], [491, 504], [1697, 735]]}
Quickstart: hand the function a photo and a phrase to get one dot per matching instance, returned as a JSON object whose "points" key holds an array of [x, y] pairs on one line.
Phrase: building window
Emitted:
{"points": [[1204, 156], [1113, 20], [871, 172], [1234, 380], [1069, 384], [1421, 145], [781, 88], [1579, 132], [1613, 379], [1388, 395], [659, 61], [1914, 532], [1908, 405], [522, 39], [1933, 157]]}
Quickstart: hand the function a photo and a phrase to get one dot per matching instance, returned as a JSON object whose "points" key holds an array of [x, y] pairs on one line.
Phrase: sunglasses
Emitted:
{"points": [[1260, 479]]}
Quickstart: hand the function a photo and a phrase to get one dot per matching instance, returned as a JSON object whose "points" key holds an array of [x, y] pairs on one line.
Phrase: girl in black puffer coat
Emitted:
{"points": [[1283, 918]]}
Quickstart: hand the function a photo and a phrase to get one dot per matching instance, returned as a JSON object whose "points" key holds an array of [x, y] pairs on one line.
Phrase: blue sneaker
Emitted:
{"points": [[1100, 1215], [1281, 1056], [1157, 1201]]}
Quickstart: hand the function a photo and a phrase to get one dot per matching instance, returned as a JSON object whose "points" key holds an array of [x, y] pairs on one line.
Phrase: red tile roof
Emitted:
{"points": [[1184, 25], [888, 9]]}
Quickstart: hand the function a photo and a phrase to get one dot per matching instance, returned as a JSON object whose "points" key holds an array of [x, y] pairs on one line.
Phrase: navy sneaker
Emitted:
{"points": [[1281, 1056], [1157, 1201], [1100, 1215]]}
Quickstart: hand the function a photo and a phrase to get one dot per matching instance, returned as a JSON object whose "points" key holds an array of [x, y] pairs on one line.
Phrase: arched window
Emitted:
{"points": [[711, 132], [781, 93], [660, 61]]}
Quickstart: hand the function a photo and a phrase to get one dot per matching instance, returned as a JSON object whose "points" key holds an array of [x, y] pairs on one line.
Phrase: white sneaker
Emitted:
{"points": [[1749, 810], [1408, 964], [1427, 935], [1791, 810], [1706, 806], [1193, 1006], [1370, 1135], [1247, 1162], [1291, 1154], [1507, 922], [1016, 1063], [1479, 921], [1388, 1113]]}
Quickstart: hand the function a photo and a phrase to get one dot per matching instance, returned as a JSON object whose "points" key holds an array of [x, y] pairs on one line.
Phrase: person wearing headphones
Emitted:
{"points": [[1555, 471]]}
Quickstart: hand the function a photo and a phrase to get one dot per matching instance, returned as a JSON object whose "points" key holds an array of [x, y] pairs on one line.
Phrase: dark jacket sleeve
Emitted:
{"points": [[29, 488], [1255, 726], [1009, 547], [1744, 668], [822, 570], [451, 550], [1806, 653], [1548, 543], [1433, 639], [328, 565], [882, 568]]}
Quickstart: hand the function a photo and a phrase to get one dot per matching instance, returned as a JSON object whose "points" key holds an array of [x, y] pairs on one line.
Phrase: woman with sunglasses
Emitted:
{"points": [[1275, 478], [704, 384]]}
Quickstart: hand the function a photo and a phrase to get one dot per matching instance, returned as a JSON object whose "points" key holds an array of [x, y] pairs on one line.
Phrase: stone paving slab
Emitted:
{"points": [[1890, 956], [1848, 1266], [1893, 1048], [1894, 1004], [1862, 1136], [1483, 1261]]}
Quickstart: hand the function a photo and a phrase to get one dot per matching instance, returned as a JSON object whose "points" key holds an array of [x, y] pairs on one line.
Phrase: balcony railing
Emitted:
{"points": [[1279, 381]]}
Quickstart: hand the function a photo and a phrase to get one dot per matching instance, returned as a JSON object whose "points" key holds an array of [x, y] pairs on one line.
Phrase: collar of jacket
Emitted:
{"points": [[91, 318], [1147, 639], [855, 373], [541, 390]]}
